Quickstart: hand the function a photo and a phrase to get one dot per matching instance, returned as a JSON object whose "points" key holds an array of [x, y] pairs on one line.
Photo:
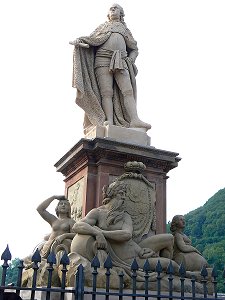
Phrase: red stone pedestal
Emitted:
{"points": [[91, 164]]}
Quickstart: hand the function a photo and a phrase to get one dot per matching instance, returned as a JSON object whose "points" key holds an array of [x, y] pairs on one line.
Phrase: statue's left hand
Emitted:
{"points": [[147, 253]]}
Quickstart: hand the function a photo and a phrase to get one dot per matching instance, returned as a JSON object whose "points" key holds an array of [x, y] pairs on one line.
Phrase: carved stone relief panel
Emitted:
{"points": [[75, 197]]}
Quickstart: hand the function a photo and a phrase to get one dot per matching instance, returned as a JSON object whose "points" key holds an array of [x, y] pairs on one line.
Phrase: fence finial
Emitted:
{"points": [[36, 256], [182, 270], [108, 263], [134, 266], [146, 266], [65, 259], [6, 255], [170, 269], [51, 259], [95, 262], [158, 267]]}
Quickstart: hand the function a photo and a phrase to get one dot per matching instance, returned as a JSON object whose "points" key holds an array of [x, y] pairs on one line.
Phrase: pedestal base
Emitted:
{"points": [[91, 164], [137, 136]]}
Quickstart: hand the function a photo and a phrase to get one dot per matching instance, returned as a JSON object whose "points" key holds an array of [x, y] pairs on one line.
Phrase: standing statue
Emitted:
{"points": [[104, 74], [62, 234], [109, 228], [184, 252]]}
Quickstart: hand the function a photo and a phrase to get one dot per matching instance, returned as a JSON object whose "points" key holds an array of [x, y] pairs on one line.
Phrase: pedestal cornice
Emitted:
{"points": [[102, 148]]}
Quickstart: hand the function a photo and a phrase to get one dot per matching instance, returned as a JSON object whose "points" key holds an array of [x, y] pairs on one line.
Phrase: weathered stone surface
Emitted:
{"points": [[104, 74], [136, 136], [184, 253], [99, 161], [42, 276], [124, 226]]}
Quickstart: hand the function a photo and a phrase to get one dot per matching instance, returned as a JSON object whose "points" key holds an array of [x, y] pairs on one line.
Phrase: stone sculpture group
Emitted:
{"points": [[123, 227]]}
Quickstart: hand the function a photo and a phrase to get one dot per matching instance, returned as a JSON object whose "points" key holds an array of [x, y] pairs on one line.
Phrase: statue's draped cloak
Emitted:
{"points": [[84, 79]]}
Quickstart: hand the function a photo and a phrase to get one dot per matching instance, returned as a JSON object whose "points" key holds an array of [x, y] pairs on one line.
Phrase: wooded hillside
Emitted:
{"points": [[205, 226]]}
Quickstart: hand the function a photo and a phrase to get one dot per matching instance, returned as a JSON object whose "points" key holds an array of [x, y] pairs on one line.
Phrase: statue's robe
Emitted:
{"points": [[84, 79]]}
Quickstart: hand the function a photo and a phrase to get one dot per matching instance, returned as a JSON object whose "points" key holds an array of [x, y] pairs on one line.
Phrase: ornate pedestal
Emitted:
{"points": [[91, 164]]}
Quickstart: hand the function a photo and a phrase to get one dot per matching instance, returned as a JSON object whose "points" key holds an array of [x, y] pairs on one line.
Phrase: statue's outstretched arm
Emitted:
{"points": [[123, 234], [59, 239], [83, 40], [117, 235], [87, 226], [44, 205]]}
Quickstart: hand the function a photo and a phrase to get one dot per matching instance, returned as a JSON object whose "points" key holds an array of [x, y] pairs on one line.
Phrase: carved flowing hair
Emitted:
{"points": [[116, 212], [174, 223], [122, 14], [69, 208]]}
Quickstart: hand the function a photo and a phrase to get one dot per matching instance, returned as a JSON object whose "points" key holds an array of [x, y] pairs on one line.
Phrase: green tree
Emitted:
{"points": [[12, 272]]}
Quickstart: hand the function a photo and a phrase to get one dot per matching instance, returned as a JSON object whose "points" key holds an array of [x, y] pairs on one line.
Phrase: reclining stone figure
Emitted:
{"points": [[110, 228]]}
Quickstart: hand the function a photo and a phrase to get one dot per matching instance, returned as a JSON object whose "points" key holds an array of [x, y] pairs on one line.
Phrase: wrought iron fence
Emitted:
{"points": [[79, 291]]}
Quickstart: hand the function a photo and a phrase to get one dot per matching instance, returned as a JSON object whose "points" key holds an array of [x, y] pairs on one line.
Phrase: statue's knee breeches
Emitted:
{"points": [[105, 81], [124, 83]]}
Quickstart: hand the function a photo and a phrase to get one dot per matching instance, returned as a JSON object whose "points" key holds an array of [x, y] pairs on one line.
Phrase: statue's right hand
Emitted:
{"points": [[147, 253], [101, 241], [76, 42], [79, 43]]}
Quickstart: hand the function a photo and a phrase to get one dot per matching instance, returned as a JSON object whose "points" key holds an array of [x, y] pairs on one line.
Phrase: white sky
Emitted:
{"points": [[180, 92]]}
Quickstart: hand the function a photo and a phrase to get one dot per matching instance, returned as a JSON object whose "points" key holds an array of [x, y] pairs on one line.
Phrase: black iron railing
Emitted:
{"points": [[79, 290]]}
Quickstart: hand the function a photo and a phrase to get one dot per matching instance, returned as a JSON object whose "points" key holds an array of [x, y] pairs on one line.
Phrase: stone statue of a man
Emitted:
{"points": [[104, 74]]}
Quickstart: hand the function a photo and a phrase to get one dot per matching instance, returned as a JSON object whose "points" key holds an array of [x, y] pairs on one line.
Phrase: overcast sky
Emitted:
{"points": [[181, 93]]}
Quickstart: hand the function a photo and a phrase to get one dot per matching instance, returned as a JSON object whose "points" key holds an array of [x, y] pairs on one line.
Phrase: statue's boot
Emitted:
{"points": [[132, 112]]}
